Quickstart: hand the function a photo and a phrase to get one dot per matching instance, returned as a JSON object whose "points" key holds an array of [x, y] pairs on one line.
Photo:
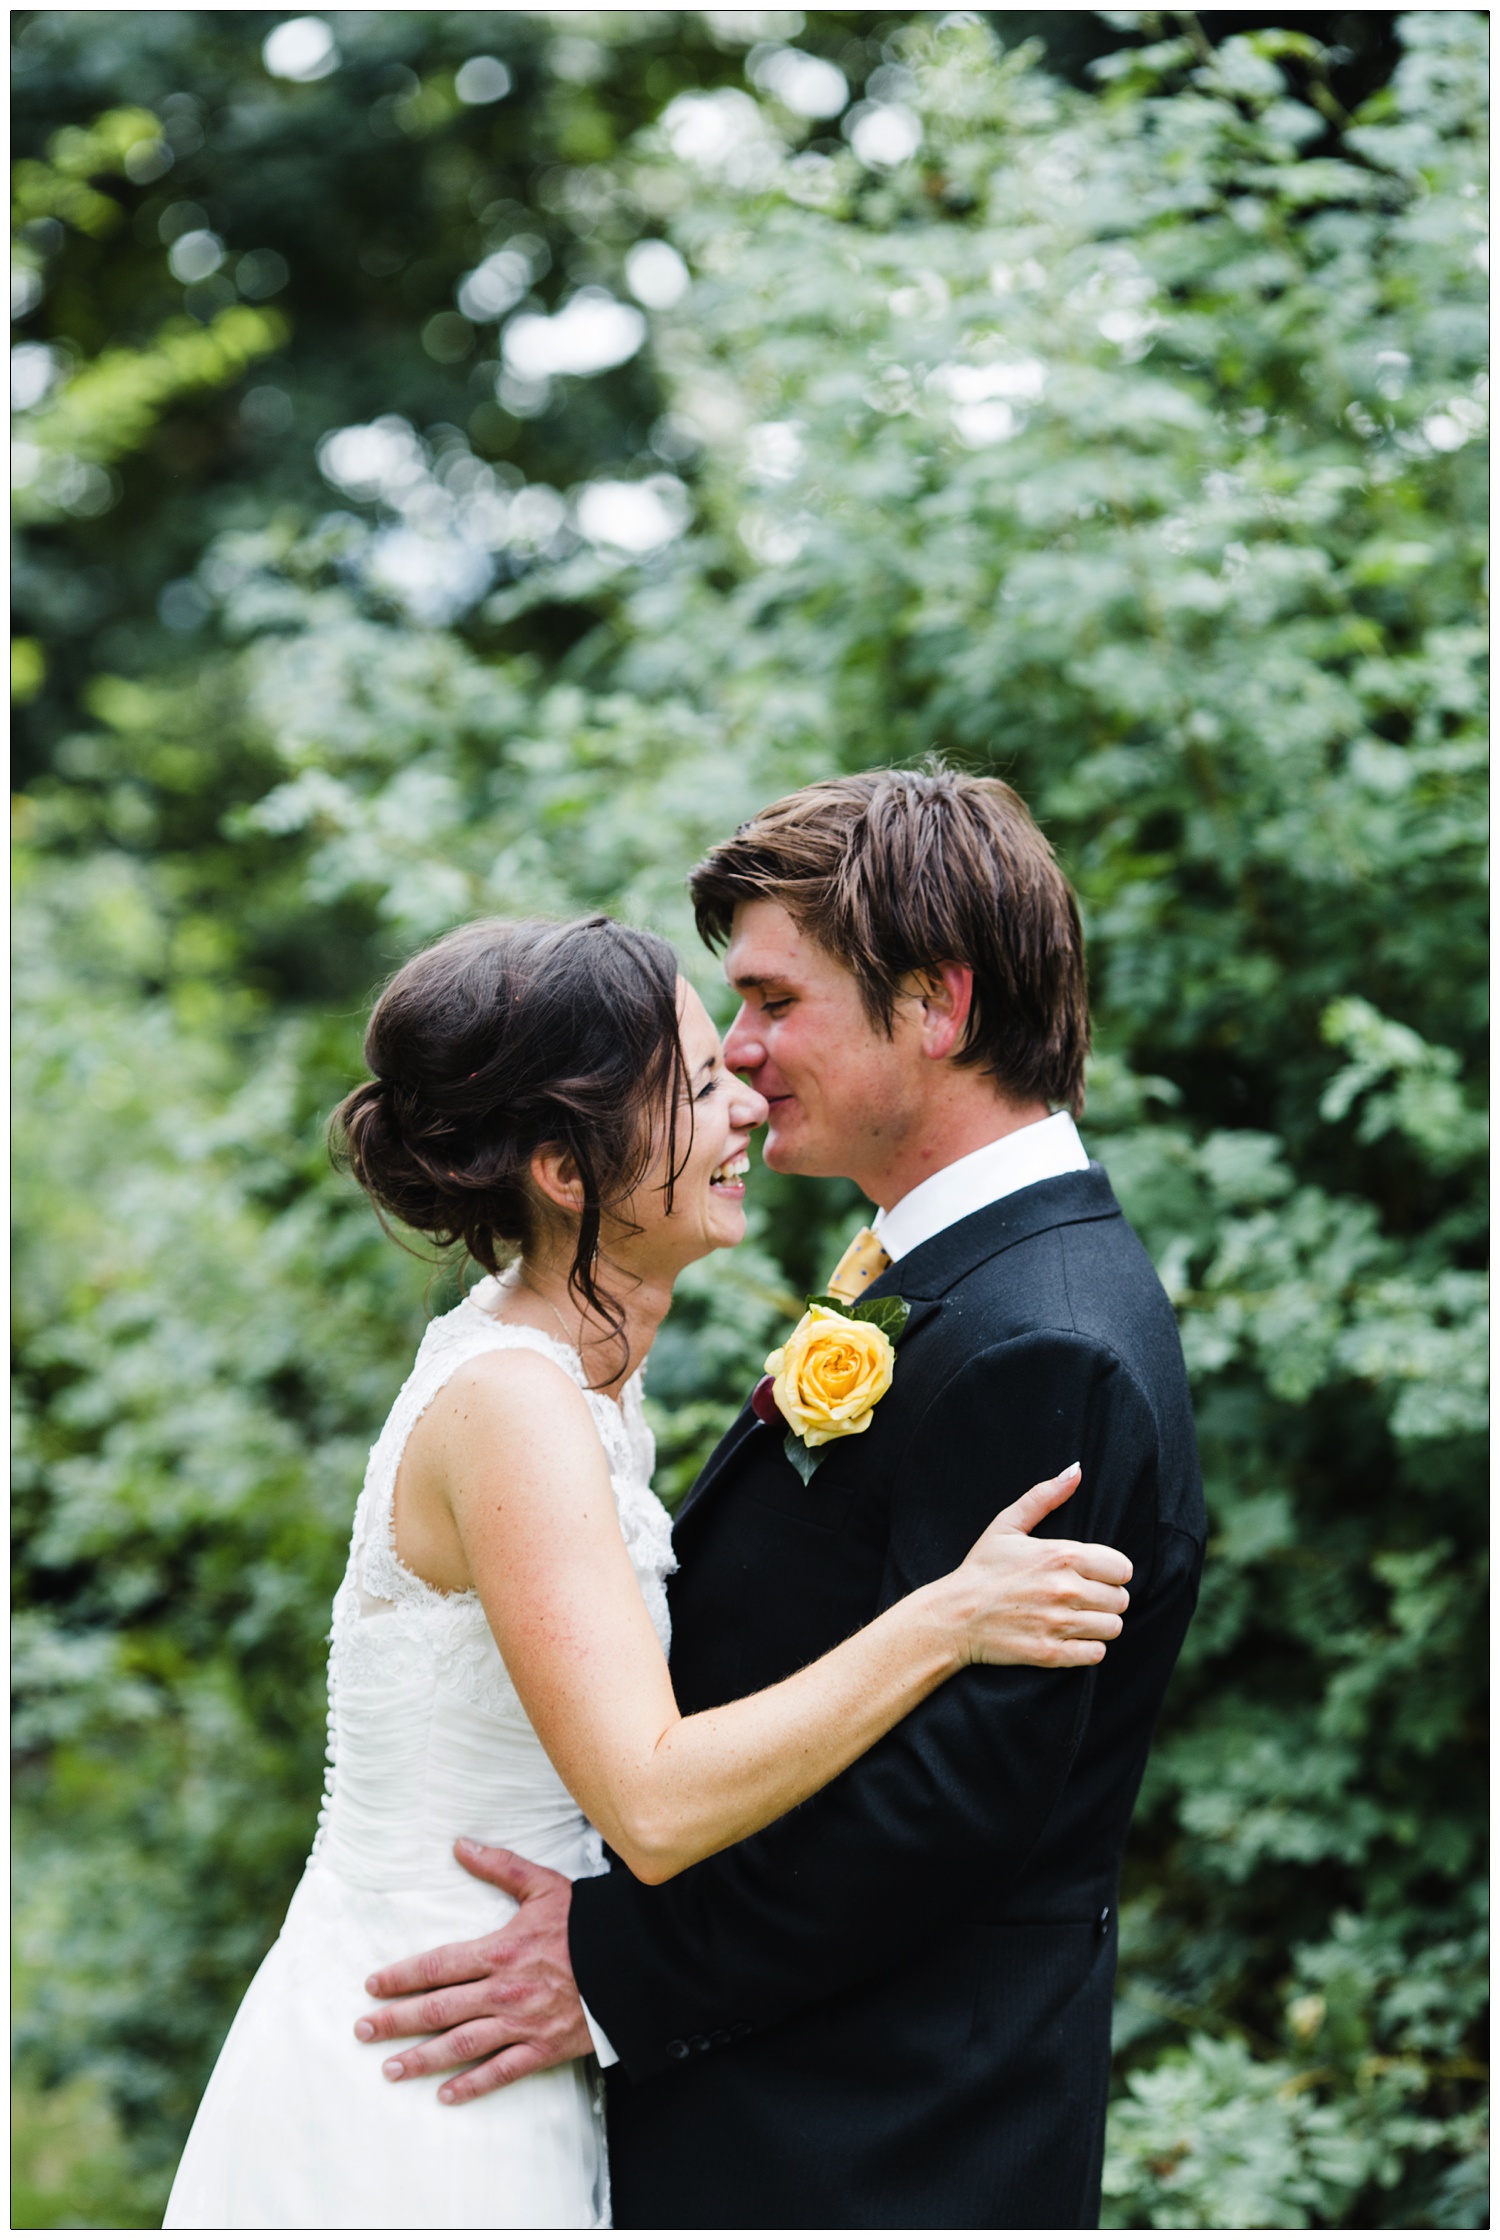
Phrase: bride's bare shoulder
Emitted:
{"points": [[511, 1411], [508, 1435], [518, 1384]]}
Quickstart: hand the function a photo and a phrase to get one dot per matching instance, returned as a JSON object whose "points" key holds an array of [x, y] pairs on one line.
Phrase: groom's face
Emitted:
{"points": [[841, 1093]]}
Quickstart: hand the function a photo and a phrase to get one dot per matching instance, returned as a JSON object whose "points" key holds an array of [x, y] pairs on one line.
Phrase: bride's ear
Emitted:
{"points": [[555, 1173]]}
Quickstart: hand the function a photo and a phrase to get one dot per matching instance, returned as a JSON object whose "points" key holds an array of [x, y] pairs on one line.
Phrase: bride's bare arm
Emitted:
{"points": [[511, 1447]]}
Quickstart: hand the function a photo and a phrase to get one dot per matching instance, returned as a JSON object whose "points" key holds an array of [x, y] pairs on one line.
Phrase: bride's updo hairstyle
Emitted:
{"points": [[502, 1039]]}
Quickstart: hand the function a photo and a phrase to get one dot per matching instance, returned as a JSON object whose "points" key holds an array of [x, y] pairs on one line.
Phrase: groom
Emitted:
{"points": [[892, 2007]]}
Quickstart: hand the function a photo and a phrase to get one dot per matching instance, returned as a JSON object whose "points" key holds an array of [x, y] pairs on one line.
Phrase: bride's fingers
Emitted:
{"points": [[1077, 1637], [1079, 1559], [1106, 1564], [1083, 1593], [1063, 1655], [1061, 1622], [1040, 1500], [1089, 1625], [1071, 1594]]}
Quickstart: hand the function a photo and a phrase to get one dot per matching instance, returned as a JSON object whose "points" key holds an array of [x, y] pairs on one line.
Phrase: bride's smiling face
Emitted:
{"points": [[714, 1122]]}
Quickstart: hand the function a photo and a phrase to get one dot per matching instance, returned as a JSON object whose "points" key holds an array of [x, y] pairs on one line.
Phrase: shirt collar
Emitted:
{"points": [[1031, 1154]]}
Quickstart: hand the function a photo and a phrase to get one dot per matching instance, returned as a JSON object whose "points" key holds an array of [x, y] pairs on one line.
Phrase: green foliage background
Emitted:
{"points": [[1123, 437]]}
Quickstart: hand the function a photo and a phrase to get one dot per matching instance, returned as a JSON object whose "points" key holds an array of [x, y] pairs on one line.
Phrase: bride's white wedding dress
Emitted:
{"points": [[427, 1741]]}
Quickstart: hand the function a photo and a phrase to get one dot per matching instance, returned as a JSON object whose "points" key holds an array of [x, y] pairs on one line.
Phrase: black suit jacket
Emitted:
{"points": [[892, 2007]]}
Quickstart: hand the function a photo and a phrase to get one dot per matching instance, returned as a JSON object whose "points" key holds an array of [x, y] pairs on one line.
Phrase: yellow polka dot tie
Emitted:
{"points": [[865, 1259]]}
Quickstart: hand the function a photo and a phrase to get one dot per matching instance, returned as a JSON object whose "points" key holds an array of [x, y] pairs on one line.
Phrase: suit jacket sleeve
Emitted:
{"points": [[931, 1825]]}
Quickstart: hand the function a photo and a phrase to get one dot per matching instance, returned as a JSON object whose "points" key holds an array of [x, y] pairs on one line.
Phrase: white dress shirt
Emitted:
{"points": [[1031, 1154], [604, 2052]]}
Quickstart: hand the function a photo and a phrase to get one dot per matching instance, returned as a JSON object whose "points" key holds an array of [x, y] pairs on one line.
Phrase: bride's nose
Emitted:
{"points": [[747, 1107]]}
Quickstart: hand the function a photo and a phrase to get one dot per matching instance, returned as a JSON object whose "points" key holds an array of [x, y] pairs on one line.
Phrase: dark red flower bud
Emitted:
{"points": [[765, 1406]]}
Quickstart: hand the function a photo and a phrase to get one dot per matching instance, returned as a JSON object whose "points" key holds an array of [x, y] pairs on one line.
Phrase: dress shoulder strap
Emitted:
{"points": [[450, 1342]]}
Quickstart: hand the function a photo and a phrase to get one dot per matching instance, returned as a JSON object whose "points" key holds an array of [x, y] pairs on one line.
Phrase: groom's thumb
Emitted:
{"points": [[507, 1870]]}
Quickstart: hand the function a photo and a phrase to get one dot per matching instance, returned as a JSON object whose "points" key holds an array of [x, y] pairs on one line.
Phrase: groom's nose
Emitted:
{"points": [[744, 1052]]}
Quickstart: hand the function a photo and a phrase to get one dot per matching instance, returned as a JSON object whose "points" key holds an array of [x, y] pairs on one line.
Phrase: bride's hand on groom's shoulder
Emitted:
{"points": [[506, 2002], [1048, 1602]]}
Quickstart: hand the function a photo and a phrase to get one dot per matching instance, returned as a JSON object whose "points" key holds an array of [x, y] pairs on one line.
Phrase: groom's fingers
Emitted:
{"points": [[446, 1963], [438, 2010], [505, 2068], [520, 1878], [511, 2055], [471, 2042], [507, 1870], [509, 2045]]}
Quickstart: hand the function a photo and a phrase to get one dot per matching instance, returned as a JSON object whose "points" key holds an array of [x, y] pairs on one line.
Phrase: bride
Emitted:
{"points": [[554, 1098]]}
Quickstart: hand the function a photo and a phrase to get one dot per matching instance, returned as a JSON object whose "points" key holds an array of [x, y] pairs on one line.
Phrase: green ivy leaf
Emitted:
{"points": [[888, 1315], [803, 1458]]}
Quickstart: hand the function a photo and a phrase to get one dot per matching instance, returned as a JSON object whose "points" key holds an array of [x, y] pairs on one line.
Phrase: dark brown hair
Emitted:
{"points": [[900, 871], [501, 1039]]}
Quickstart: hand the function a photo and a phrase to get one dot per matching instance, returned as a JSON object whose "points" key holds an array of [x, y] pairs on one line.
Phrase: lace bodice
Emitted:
{"points": [[427, 1738]]}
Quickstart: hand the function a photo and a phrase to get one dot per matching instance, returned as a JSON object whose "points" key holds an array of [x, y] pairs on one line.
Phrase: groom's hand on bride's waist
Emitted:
{"points": [[506, 2001]]}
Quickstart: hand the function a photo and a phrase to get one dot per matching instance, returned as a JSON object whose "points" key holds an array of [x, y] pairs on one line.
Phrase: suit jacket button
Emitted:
{"points": [[677, 2050], [700, 2045], [1104, 1922]]}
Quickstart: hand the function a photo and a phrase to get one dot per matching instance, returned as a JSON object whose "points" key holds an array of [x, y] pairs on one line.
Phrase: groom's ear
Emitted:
{"points": [[946, 995]]}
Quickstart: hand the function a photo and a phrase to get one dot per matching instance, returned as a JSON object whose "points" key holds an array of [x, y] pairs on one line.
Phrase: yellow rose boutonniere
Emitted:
{"points": [[826, 1380]]}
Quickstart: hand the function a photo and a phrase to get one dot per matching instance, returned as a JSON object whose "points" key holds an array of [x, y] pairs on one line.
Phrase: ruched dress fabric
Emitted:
{"points": [[428, 1741]]}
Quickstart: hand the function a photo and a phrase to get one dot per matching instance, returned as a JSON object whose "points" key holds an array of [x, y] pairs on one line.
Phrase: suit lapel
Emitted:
{"points": [[747, 1426], [744, 1426], [925, 1275]]}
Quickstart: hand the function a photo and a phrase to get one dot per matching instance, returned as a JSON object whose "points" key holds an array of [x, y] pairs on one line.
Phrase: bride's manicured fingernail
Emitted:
{"points": [[364, 2031], [446, 2097], [372, 1985], [394, 2069]]}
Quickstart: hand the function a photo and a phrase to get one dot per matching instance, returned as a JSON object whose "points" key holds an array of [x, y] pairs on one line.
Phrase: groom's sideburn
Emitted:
{"points": [[892, 2008]]}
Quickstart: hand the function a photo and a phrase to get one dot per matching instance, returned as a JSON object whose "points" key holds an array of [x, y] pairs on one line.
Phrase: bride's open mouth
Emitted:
{"points": [[728, 1179]]}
